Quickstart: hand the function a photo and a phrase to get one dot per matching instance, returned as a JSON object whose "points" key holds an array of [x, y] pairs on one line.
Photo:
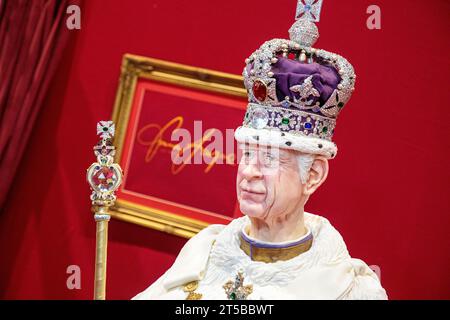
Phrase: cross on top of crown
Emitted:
{"points": [[308, 10]]}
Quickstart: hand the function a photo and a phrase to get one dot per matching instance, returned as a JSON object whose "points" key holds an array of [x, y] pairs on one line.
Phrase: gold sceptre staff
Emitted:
{"points": [[104, 177]]}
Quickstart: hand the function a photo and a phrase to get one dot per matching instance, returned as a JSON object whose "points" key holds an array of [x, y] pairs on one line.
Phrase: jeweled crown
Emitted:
{"points": [[295, 88]]}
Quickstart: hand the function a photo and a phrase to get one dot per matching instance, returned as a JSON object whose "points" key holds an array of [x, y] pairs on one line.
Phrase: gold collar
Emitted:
{"points": [[267, 252]]}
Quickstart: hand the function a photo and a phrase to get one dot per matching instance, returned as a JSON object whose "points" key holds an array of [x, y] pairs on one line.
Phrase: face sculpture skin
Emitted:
{"points": [[271, 192]]}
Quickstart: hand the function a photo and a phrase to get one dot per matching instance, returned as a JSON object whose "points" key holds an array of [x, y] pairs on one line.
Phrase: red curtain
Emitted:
{"points": [[33, 34]]}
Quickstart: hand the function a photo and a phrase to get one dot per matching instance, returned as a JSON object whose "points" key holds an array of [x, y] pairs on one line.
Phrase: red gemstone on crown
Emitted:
{"points": [[260, 90]]}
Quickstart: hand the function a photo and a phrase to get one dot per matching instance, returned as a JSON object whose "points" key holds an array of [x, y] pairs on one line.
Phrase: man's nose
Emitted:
{"points": [[252, 170]]}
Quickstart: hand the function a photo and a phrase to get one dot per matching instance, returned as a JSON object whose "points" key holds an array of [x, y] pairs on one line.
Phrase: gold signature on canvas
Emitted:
{"points": [[188, 151]]}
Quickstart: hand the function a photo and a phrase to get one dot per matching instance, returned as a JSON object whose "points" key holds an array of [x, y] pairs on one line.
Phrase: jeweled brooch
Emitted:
{"points": [[235, 290]]}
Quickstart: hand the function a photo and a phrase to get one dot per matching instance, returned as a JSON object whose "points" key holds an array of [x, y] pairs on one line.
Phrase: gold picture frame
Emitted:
{"points": [[135, 67]]}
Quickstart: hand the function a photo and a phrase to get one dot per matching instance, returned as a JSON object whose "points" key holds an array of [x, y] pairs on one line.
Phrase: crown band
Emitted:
{"points": [[289, 120]]}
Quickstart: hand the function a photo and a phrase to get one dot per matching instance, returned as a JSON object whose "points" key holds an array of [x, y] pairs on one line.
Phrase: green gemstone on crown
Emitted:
{"points": [[285, 121], [325, 130], [233, 296]]}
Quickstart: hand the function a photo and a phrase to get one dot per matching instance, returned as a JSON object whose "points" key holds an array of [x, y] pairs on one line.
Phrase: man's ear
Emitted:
{"points": [[317, 175]]}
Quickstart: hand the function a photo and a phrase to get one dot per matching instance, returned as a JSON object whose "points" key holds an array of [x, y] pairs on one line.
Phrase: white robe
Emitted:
{"points": [[213, 256]]}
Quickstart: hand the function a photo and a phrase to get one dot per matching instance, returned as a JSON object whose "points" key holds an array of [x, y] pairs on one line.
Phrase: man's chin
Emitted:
{"points": [[252, 209]]}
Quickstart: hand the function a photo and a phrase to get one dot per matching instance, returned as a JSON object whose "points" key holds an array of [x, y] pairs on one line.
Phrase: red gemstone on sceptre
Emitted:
{"points": [[104, 178], [259, 90]]}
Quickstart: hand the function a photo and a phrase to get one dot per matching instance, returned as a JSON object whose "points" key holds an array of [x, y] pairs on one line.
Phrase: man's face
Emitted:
{"points": [[268, 181]]}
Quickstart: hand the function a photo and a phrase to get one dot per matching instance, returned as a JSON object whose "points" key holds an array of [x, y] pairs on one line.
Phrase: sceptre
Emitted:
{"points": [[104, 177]]}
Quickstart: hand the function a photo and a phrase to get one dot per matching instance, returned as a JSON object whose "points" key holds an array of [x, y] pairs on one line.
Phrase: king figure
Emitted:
{"points": [[277, 250]]}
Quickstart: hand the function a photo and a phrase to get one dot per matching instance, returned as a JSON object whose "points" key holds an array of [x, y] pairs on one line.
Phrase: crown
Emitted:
{"points": [[295, 91]]}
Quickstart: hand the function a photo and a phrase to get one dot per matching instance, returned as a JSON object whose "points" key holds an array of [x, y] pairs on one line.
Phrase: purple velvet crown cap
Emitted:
{"points": [[288, 73]]}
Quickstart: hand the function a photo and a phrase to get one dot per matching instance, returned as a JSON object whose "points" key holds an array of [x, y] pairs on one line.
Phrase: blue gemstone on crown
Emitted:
{"points": [[285, 103]]}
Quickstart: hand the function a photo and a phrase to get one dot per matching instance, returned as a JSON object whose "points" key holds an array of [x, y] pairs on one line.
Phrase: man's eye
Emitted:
{"points": [[269, 160], [247, 156]]}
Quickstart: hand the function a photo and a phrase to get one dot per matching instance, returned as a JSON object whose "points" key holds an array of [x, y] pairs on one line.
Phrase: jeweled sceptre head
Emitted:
{"points": [[104, 176]]}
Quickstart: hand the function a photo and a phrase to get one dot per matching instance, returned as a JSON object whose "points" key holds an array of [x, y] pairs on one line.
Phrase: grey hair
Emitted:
{"points": [[305, 161]]}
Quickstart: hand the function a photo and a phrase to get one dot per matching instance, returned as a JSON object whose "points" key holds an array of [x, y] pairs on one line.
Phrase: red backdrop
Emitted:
{"points": [[387, 192]]}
